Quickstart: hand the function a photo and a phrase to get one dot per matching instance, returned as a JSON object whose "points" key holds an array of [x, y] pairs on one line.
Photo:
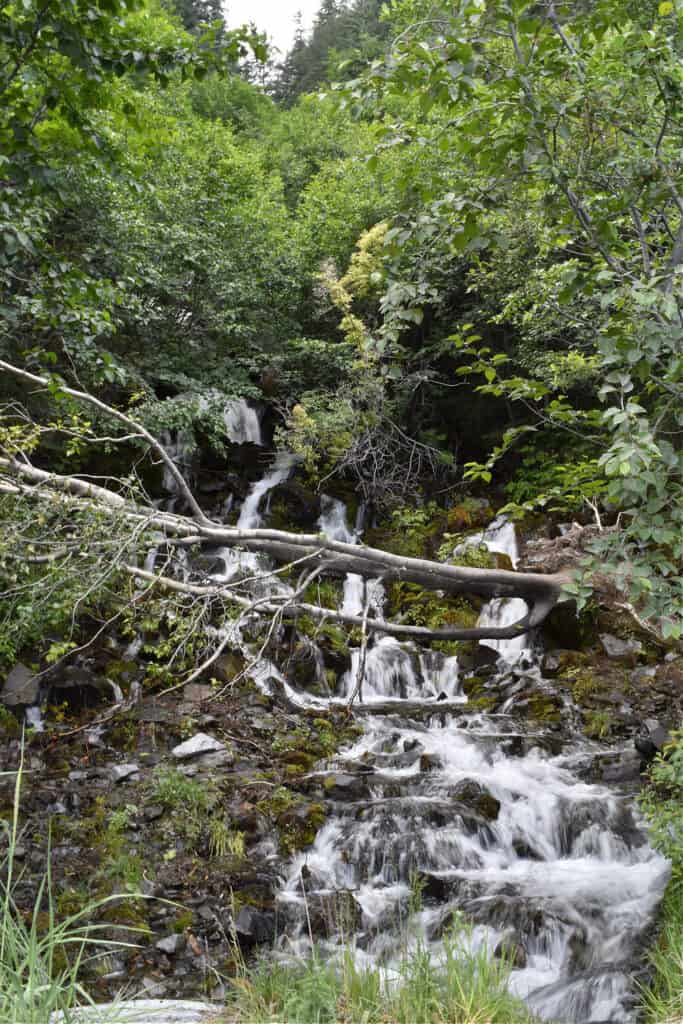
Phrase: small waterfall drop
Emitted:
{"points": [[242, 423]]}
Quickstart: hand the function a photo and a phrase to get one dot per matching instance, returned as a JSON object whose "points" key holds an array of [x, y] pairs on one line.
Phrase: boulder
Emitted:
{"points": [[473, 795], [511, 950], [21, 687], [200, 743], [333, 912], [652, 738], [620, 650], [253, 927]]}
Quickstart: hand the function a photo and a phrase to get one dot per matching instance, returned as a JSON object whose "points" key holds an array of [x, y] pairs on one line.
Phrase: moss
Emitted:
{"points": [[598, 725], [420, 607], [299, 831], [472, 686], [182, 921], [544, 708], [481, 704]]}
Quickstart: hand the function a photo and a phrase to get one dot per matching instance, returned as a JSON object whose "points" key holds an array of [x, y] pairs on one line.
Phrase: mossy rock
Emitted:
{"points": [[227, 667], [544, 707]]}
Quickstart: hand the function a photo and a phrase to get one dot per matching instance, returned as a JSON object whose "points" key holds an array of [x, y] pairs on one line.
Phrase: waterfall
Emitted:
{"points": [[250, 518], [501, 536], [242, 423], [487, 819], [333, 523]]}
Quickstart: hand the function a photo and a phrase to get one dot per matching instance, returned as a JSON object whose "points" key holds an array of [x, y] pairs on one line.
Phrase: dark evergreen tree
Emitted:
{"points": [[343, 31], [193, 13]]}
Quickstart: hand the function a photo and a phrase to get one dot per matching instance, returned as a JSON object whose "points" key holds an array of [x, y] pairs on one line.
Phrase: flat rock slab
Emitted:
{"points": [[144, 1011], [198, 744]]}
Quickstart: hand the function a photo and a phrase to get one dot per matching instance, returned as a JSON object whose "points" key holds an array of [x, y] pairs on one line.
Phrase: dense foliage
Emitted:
{"points": [[458, 268]]}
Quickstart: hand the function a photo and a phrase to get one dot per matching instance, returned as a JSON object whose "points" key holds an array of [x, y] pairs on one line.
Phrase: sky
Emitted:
{"points": [[275, 17]]}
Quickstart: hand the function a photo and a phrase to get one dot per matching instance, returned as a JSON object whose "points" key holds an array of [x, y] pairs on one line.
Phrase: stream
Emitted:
{"points": [[443, 818], [485, 821]]}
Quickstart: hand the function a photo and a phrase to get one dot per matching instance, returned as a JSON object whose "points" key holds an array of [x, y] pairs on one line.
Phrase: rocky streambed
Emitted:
{"points": [[490, 785]]}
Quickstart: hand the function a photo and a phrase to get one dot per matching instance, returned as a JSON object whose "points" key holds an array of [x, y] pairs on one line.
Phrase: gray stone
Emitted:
{"points": [[254, 926], [142, 1011], [171, 945], [658, 735], [615, 647], [21, 687], [119, 772], [195, 693], [197, 744], [652, 738], [216, 759]]}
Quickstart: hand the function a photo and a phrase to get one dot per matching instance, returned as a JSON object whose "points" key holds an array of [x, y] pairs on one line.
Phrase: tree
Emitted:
{"points": [[197, 13], [573, 115]]}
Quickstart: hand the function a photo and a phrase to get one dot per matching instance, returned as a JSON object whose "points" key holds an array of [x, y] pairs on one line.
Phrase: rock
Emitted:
{"points": [[620, 769], [198, 744], [216, 759], [564, 628], [485, 655], [652, 738], [21, 687], [254, 926], [141, 1011], [428, 762], [475, 796], [334, 912], [195, 693], [551, 665], [614, 647], [119, 772], [433, 888], [511, 950], [154, 987], [171, 945]]}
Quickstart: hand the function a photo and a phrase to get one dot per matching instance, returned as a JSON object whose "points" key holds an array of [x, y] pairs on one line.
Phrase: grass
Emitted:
{"points": [[456, 987], [664, 1000], [41, 957]]}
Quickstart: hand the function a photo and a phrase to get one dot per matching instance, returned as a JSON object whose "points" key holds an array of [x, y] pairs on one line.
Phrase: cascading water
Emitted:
{"points": [[242, 423], [490, 821]]}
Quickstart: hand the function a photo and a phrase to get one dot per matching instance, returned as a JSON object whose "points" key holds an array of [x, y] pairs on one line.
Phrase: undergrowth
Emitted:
{"points": [[41, 957], [457, 986], [662, 803]]}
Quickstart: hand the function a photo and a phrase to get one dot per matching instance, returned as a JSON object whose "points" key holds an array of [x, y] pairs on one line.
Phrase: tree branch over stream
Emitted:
{"points": [[19, 476]]}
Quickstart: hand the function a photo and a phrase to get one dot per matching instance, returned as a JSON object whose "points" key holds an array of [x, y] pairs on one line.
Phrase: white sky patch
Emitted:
{"points": [[274, 17]]}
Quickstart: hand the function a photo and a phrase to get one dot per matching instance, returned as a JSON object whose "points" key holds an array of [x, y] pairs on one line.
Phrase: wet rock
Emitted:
{"points": [[433, 888], [197, 744], [21, 687], [652, 738], [484, 656], [621, 769], [621, 650], [475, 796], [119, 772], [345, 786], [551, 665], [253, 927], [564, 628], [171, 945], [334, 912], [511, 950], [428, 762]]}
